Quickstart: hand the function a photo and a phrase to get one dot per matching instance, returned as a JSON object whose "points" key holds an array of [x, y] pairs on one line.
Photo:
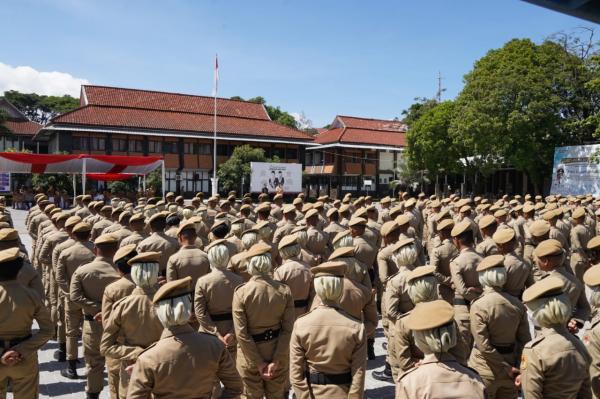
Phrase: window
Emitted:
{"points": [[154, 146], [224, 150], [136, 146], [291, 153], [170, 147], [80, 143], [119, 145], [278, 152], [190, 148], [97, 143], [204, 149]]}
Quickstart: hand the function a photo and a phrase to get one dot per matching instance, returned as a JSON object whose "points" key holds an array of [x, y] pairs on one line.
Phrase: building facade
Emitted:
{"points": [[19, 130]]}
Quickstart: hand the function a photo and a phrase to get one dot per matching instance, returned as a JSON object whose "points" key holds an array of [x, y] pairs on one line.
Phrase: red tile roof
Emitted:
{"points": [[161, 101], [352, 130], [114, 117], [26, 128]]}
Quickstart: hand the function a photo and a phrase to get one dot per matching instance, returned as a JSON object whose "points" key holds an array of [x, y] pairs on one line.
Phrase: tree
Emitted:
{"points": [[121, 187], [40, 108], [275, 113], [414, 112], [57, 181], [237, 166]]}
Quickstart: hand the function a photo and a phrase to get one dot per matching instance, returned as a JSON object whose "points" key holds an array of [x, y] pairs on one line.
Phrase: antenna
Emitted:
{"points": [[440, 90]]}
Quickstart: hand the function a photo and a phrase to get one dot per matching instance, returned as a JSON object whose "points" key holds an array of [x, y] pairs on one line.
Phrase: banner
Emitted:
{"points": [[575, 170], [275, 177], [5, 182]]}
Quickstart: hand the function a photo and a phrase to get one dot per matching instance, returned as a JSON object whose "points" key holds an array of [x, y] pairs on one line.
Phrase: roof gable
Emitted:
{"points": [[364, 131], [372, 124]]}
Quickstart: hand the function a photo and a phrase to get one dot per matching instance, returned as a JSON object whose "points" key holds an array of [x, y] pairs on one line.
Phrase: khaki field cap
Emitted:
{"points": [[340, 235], [288, 240], [82, 227], [486, 221], [343, 252], [385, 200], [108, 238], [186, 226], [460, 228], [503, 236], [311, 213], [549, 215], [307, 207], [410, 202], [145, 257], [445, 224], [594, 243], [331, 212], [263, 207], [539, 228], [218, 223], [72, 221], [174, 289], [528, 208], [499, 213], [258, 249], [357, 222], [549, 247], [336, 269], [157, 216], [592, 276], [123, 252], [297, 201], [215, 243], [549, 286], [136, 217], [402, 220], [289, 208], [578, 213], [419, 272], [490, 261], [429, 315], [402, 243], [388, 228], [465, 208], [8, 234], [10, 254]]}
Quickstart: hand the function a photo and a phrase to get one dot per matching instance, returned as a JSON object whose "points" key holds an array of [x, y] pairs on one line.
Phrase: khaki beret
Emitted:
{"points": [[445, 224], [137, 216], [260, 248], [539, 205], [410, 202], [157, 216], [502, 236], [419, 272], [385, 200], [358, 202], [221, 241], [336, 269], [500, 212], [10, 254], [124, 251], [528, 208], [174, 289], [549, 247], [429, 315], [340, 235], [290, 239], [402, 243], [343, 252], [578, 213], [360, 213], [72, 221], [465, 208], [402, 220], [277, 196], [549, 286], [289, 209], [490, 261], [594, 243], [357, 221], [108, 238], [297, 201], [486, 221], [82, 227], [539, 228], [298, 228], [344, 208], [388, 228], [245, 207], [318, 205], [332, 211], [311, 213], [395, 211], [460, 228], [306, 207], [219, 222], [145, 257], [9, 234], [188, 225], [592, 276]]}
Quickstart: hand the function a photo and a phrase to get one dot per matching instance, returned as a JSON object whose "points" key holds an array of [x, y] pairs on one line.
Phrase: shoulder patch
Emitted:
{"points": [[534, 341]]}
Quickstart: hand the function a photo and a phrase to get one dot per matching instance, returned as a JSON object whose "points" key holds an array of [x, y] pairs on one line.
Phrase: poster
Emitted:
{"points": [[575, 171], [275, 177], [4, 182]]}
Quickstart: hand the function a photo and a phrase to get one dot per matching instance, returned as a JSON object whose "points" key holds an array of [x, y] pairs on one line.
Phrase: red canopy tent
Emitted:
{"points": [[111, 167]]}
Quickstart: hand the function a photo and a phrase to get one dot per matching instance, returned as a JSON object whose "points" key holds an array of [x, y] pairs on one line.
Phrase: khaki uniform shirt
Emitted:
{"points": [[576, 292], [88, 283], [69, 260], [114, 292], [365, 251], [159, 242], [328, 340], [331, 230], [464, 273], [439, 375], [188, 261], [555, 365], [519, 274], [386, 266], [298, 277], [238, 265], [99, 227], [83, 212], [55, 238], [487, 247], [440, 257], [158, 370], [134, 238], [316, 242], [30, 278], [591, 339], [282, 231]]}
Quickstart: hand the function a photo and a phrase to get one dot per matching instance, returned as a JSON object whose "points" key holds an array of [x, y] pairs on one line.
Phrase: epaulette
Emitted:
{"points": [[534, 341]]}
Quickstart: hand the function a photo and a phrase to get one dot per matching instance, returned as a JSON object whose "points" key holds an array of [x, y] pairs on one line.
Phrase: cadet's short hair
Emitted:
{"points": [[221, 231], [83, 235], [10, 269]]}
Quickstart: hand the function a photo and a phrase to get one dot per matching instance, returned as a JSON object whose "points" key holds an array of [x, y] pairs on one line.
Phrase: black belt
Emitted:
{"points": [[301, 303], [504, 349], [460, 301], [88, 317], [9, 343], [221, 317], [266, 336], [329, 379]]}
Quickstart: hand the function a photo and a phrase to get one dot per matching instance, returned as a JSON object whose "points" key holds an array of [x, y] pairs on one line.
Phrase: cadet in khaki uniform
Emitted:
{"points": [[69, 260], [136, 224], [289, 223], [103, 223], [189, 260], [158, 241], [320, 366], [386, 265], [580, 235], [113, 293], [86, 290], [487, 225], [263, 316], [519, 274], [133, 325], [237, 262], [181, 348], [28, 276], [500, 330], [591, 339], [19, 306], [294, 273], [435, 333], [365, 251], [317, 240], [555, 364], [440, 257]]}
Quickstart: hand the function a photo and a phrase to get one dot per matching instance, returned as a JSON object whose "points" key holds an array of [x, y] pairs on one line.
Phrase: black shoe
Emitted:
{"points": [[71, 371], [90, 395], [384, 346], [371, 349], [60, 355], [384, 375]]}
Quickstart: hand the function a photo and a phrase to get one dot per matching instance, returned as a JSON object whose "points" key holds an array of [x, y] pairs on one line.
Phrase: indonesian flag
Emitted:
{"points": [[216, 86]]}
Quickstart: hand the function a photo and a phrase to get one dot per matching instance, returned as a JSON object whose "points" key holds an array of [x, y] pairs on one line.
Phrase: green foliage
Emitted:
{"points": [[40, 108], [237, 166], [414, 112], [275, 113], [58, 181], [154, 181], [121, 187]]}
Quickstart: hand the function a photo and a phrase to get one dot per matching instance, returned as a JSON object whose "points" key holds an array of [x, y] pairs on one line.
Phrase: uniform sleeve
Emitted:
{"points": [[523, 333], [459, 283], [392, 305], [36, 284], [358, 366], [201, 311], [109, 346], [61, 273], [229, 377], [141, 383], [282, 351], [45, 253], [532, 375], [298, 367], [436, 262], [240, 322], [46, 329], [77, 295], [479, 329], [370, 315], [401, 347], [594, 348], [382, 267], [582, 308], [172, 269]]}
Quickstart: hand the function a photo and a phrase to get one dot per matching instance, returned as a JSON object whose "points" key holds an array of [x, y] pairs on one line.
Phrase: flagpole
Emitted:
{"points": [[214, 179]]}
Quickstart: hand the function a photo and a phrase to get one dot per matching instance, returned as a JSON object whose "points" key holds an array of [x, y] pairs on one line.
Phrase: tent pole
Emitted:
{"points": [[144, 185], [74, 185], [164, 180], [83, 173]]}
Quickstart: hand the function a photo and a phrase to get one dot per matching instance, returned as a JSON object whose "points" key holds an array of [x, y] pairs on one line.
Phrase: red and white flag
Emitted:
{"points": [[216, 87]]}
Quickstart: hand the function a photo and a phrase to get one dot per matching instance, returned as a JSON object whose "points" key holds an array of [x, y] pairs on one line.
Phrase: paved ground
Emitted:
{"points": [[53, 385]]}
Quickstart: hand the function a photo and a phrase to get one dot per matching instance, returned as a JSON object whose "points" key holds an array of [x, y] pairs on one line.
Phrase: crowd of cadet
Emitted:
{"points": [[236, 298]]}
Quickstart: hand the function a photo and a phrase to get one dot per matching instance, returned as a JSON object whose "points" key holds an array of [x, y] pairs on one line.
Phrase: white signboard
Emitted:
{"points": [[275, 177], [574, 171], [4, 182]]}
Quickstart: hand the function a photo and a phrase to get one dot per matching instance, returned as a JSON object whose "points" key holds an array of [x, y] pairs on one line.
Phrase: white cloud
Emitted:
{"points": [[28, 80], [302, 120]]}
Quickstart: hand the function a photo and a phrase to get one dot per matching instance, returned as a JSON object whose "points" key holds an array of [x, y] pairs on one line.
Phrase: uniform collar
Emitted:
{"points": [[176, 330], [561, 330], [437, 358], [103, 259], [188, 246]]}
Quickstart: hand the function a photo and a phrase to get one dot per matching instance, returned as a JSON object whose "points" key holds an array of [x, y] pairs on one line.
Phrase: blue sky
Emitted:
{"points": [[362, 58]]}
